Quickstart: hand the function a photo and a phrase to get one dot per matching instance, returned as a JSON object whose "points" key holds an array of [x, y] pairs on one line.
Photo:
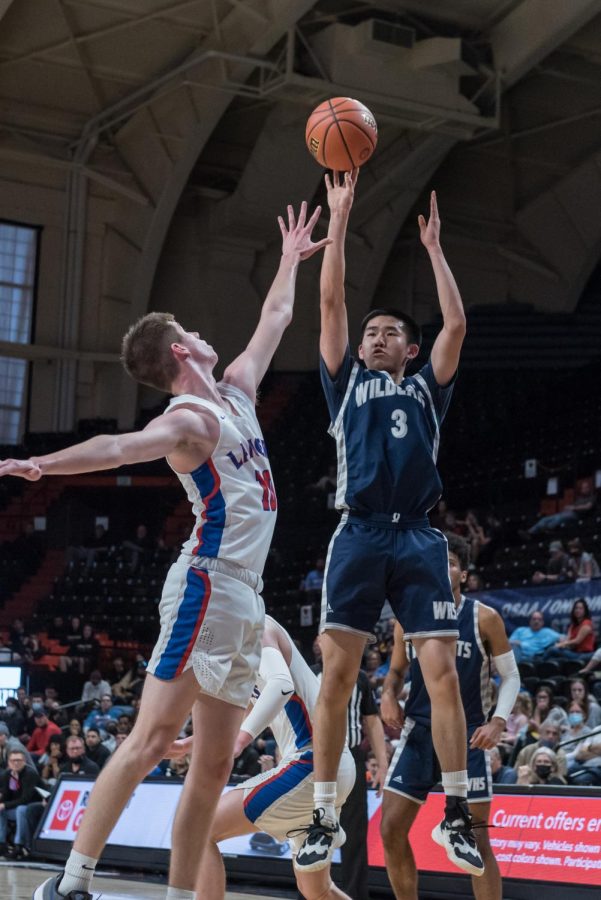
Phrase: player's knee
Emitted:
{"points": [[392, 830], [337, 685]]}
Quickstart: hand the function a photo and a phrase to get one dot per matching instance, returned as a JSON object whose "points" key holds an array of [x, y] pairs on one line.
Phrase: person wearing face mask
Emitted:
{"points": [[548, 740], [543, 769], [584, 761]]}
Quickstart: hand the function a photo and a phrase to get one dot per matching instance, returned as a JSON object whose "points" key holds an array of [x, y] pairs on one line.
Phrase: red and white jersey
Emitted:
{"points": [[232, 494]]}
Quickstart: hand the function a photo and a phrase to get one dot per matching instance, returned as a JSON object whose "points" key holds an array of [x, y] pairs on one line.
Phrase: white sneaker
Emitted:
{"points": [[318, 847], [456, 835]]}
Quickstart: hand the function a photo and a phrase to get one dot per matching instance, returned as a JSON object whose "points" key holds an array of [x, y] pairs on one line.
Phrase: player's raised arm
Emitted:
{"points": [[247, 370], [334, 323], [162, 436], [393, 683], [447, 346]]}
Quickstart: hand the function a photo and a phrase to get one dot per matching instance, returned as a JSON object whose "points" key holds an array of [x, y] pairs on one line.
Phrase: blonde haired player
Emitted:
{"points": [[212, 614]]}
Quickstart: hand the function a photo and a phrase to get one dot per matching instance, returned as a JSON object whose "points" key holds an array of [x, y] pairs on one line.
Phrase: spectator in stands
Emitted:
{"points": [[99, 718], [546, 709], [371, 666], [582, 566], [517, 720], [95, 688], [117, 670], [584, 502], [549, 736], [77, 763], [247, 764], [579, 692], [474, 583], [476, 536], [544, 768], [43, 731], [557, 566], [82, 653], [75, 727], [326, 486], [6, 653], [122, 689], [17, 788], [13, 717], [313, 580], [95, 750], [579, 642], [50, 762], [8, 743], [95, 547], [178, 768], [139, 548], [501, 774], [74, 632], [137, 684], [586, 769], [529, 642], [57, 630]]}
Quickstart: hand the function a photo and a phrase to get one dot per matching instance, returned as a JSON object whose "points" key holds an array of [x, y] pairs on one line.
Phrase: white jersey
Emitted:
{"points": [[292, 728], [232, 494]]}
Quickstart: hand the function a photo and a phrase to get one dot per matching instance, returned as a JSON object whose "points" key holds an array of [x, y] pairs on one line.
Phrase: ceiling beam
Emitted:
{"points": [[533, 30]]}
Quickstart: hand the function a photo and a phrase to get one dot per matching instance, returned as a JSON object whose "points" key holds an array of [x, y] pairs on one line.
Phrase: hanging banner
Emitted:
{"points": [[516, 605]]}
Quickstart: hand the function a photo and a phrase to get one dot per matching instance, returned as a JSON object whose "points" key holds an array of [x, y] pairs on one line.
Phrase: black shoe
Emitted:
{"points": [[455, 833], [21, 853], [49, 891], [318, 847], [4, 851]]}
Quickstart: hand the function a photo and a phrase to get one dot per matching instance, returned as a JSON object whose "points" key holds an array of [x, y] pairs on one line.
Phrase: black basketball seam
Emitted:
{"points": [[327, 115], [358, 127], [346, 146], [325, 140]]}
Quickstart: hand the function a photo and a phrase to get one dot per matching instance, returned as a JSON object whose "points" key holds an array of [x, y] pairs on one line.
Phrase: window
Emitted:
{"points": [[18, 258]]}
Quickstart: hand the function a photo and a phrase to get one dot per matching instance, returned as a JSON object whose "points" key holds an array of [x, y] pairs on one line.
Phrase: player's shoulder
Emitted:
{"points": [[488, 617]]}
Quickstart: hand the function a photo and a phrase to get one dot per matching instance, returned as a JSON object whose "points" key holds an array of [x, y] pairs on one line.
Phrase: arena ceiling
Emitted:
{"points": [[152, 105]]}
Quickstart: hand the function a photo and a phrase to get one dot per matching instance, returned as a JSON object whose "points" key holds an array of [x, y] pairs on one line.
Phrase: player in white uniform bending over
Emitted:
{"points": [[212, 615], [279, 801]]}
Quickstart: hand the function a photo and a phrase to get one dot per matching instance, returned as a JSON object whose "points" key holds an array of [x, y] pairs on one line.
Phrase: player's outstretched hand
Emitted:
{"points": [[296, 238], [390, 711], [429, 231], [20, 468], [341, 191]]}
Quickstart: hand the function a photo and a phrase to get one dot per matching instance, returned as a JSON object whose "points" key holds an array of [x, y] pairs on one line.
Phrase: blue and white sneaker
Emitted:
{"points": [[455, 833], [318, 847]]}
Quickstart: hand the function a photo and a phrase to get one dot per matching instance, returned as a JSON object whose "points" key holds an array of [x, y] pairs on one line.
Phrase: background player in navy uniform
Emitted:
{"points": [[414, 769], [387, 430]]}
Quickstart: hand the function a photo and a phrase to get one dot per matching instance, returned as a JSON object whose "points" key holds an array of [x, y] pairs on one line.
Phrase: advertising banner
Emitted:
{"points": [[555, 602]]}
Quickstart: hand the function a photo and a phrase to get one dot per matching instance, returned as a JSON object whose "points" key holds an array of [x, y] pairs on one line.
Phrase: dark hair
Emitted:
{"points": [[146, 350], [410, 326], [91, 728], [586, 703], [460, 548], [587, 612]]}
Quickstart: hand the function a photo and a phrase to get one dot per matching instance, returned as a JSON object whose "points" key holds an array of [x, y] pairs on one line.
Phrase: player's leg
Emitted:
{"points": [[229, 821], [215, 725], [319, 886], [489, 886], [163, 710], [398, 815]]}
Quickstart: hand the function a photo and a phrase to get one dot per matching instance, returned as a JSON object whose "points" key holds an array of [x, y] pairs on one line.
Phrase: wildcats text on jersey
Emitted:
{"points": [[375, 389]]}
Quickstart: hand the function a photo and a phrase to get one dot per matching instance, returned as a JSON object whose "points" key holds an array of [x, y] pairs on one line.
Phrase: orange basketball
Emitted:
{"points": [[341, 134]]}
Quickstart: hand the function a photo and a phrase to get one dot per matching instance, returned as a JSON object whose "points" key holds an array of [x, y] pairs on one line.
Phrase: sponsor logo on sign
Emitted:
{"points": [[64, 811]]}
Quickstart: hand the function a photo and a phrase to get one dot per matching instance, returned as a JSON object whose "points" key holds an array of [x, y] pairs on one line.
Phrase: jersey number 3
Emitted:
{"points": [[399, 429], [270, 501]]}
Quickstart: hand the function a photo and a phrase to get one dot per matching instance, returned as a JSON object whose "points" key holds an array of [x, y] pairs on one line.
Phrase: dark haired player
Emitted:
{"points": [[387, 429], [414, 768]]}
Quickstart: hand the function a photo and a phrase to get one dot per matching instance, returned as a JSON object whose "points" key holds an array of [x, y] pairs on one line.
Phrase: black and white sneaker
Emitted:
{"points": [[319, 845], [455, 833], [49, 891]]}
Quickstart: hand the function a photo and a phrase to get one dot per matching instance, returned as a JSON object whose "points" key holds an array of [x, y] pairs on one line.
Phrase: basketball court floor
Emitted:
{"points": [[17, 882]]}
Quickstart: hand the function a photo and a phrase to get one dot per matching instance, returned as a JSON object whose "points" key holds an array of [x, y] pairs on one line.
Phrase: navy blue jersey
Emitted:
{"points": [[473, 668], [387, 438]]}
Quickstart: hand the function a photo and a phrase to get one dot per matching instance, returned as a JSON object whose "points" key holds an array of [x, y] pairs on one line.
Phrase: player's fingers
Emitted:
{"points": [[433, 205], [302, 216], [421, 222], [328, 182], [312, 221], [336, 175], [282, 227], [291, 219], [355, 175]]}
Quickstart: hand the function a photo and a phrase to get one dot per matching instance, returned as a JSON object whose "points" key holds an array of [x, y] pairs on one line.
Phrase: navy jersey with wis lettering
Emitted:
{"points": [[387, 438], [473, 668]]}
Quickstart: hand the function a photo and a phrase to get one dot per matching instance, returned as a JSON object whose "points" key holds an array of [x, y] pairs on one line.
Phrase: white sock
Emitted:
{"points": [[79, 872], [455, 783], [180, 894], [324, 797]]}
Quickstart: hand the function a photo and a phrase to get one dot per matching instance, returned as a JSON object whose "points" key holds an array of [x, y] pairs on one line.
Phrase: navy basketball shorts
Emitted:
{"points": [[369, 563], [414, 768]]}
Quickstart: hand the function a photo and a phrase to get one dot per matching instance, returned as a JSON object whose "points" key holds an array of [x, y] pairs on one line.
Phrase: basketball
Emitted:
{"points": [[341, 134]]}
